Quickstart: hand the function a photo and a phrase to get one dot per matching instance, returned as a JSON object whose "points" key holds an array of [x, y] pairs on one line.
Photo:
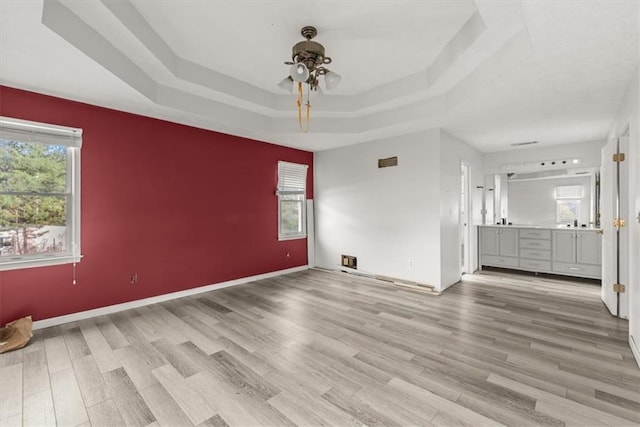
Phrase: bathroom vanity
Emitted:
{"points": [[570, 251]]}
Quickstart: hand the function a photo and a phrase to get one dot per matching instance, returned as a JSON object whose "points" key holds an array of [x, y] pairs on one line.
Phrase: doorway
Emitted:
{"points": [[465, 220]]}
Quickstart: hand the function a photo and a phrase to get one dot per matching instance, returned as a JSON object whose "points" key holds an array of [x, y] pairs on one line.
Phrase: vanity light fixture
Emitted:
{"points": [[533, 165], [307, 63]]}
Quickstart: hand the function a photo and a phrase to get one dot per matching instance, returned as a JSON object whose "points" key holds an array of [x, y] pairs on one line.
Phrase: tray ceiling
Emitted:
{"points": [[492, 73]]}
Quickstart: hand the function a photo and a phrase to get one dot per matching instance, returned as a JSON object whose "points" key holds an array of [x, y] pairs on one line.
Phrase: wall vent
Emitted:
{"points": [[388, 162], [349, 261], [520, 144]]}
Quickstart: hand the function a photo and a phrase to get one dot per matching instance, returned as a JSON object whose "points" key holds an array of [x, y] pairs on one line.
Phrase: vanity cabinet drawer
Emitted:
{"points": [[535, 265], [499, 261], [535, 254], [535, 234], [580, 270], [535, 244]]}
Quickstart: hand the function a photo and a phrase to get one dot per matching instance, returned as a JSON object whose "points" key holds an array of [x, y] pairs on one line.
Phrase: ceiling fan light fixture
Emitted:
{"points": [[299, 72], [331, 79], [307, 63], [286, 84]]}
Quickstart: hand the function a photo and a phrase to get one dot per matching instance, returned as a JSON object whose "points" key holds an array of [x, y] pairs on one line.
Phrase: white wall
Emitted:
{"points": [[534, 203], [400, 221], [388, 218], [628, 116], [588, 152], [452, 152]]}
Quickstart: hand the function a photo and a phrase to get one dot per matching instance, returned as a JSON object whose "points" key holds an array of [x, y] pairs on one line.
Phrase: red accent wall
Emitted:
{"points": [[182, 207]]}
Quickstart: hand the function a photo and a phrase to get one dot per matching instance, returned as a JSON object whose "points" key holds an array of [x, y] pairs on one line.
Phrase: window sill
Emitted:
{"points": [[283, 238], [39, 262]]}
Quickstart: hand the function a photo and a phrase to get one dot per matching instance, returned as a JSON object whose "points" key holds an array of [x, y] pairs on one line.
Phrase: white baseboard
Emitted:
{"points": [[635, 349], [54, 321]]}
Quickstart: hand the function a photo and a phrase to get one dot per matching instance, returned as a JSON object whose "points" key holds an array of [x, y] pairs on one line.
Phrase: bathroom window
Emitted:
{"points": [[568, 203]]}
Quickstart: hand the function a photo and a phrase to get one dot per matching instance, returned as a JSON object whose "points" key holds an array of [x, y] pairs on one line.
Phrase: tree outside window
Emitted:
{"points": [[33, 208]]}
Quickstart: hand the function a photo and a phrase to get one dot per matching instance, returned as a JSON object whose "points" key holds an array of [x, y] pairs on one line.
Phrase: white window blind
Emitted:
{"points": [[25, 131], [569, 192], [292, 178]]}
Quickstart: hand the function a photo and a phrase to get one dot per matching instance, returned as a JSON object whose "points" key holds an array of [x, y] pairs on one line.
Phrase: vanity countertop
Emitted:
{"points": [[545, 227]]}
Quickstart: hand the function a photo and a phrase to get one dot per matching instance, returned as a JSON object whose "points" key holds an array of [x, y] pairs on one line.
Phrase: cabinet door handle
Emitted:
{"points": [[574, 268]]}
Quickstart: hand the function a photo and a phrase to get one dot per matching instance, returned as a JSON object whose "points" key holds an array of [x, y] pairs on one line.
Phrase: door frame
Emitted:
{"points": [[608, 212], [464, 224]]}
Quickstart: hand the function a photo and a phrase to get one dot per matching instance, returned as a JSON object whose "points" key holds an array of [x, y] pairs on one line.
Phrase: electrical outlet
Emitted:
{"points": [[133, 278], [288, 255], [410, 263]]}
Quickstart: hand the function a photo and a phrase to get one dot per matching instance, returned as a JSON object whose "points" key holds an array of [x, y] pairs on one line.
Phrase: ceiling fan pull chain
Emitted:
{"points": [[308, 107], [299, 102]]}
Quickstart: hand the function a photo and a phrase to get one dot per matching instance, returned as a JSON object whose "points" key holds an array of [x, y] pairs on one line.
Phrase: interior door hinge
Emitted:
{"points": [[618, 222], [619, 288], [618, 157]]}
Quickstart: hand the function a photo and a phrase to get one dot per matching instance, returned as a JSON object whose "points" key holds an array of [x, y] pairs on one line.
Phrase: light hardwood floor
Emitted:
{"points": [[322, 348]]}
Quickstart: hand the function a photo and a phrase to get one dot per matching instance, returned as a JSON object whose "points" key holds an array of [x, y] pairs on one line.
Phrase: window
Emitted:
{"points": [[568, 201], [292, 183], [39, 194]]}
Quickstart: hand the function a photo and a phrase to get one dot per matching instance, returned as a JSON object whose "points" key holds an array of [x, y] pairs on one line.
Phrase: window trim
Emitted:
{"points": [[49, 134], [294, 187]]}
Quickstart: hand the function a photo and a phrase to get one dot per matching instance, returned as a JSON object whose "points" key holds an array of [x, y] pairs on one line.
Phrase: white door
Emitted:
{"points": [[607, 212], [465, 217], [624, 231], [633, 290], [614, 204]]}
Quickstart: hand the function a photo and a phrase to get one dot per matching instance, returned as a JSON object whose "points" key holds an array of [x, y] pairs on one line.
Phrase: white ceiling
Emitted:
{"points": [[490, 72]]}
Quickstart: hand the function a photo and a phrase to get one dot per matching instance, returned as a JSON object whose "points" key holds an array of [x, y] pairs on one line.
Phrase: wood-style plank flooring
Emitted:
{"points": [[322, 348]]}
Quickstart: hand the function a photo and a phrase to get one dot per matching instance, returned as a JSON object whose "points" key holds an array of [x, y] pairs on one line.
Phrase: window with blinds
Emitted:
{"points": [[292, 184], [568, 203], [39, 194], [569, 192]]}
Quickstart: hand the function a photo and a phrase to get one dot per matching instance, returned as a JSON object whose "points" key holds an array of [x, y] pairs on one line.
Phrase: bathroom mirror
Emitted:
{"points": [[549, 198]]}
